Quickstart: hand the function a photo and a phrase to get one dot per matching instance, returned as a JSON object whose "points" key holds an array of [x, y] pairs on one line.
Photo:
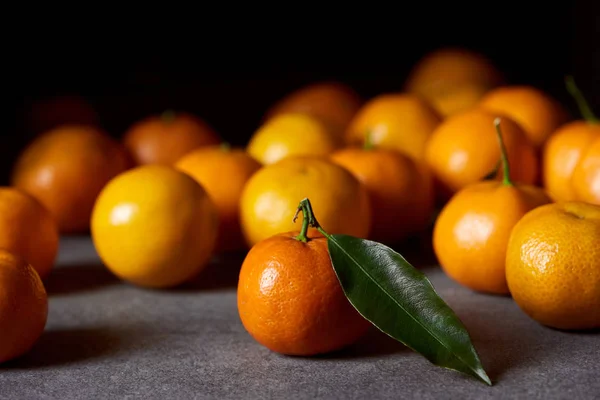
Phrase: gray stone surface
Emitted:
{"points": [[108, 339]]}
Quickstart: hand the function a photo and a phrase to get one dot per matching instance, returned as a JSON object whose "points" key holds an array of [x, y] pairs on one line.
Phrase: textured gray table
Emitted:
{"points": [[107, 339]]}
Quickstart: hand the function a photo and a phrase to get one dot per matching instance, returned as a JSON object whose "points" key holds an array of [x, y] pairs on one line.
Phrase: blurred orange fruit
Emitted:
{"points": [[287, 135], [470, 235], [154, 226], [400, 190], [28, 230], [333, 103], [272, 194], [223, 173], [553, 265], [586, 175], [399, 122], [23, 306], [536, 111], [453, 79], [164, 139], [66, 168], [464, 149], [290, 300]]}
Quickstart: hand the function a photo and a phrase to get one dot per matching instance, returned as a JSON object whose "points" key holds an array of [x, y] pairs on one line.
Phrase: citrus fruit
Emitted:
{"points": [[395, 121], [23, 306], [453, 79], [66, 168], [290, 300], [154, 226], [400, 190], [28, 230], [164, 139], [553, 265], [333, 103], [561, 154], [271, 196], [586, 175], [471, 232], [209, 165], [536, 111], [290, 134], [464, 149]]}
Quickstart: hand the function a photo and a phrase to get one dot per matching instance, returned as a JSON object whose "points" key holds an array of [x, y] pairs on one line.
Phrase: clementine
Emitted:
{"points": [[208, 165], [154, 226], [23, 306], [28, 230], [536, 111], [400, 190], [397, 121], [586, 175], [553, 265], [333, 103], [66, 168], [464, 149], [272, 194], [291, 134], [164, 139], [471, 232], [290, 300]]}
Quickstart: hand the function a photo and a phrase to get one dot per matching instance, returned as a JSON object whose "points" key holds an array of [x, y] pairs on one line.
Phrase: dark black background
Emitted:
{"points": [[229, 71]]}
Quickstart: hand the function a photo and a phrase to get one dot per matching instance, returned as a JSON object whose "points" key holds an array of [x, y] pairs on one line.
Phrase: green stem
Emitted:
{"points": [[225, 146], [369, 141], [308, 220], [584, 107], [503, 154], [168, 116]]}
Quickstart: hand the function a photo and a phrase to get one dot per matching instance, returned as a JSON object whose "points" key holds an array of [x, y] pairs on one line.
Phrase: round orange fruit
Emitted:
{"points": [[223, 172], [23, 306], [586, 175], [553, 265]]}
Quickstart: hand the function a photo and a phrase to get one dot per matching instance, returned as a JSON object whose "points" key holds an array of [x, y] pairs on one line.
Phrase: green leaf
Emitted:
{"points": [[400, 301]]}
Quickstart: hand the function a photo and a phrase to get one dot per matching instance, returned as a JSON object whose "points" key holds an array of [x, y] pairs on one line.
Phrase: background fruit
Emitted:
{"points": [[154, 226], [586, 175], [288, 135], [558, 288], [23, 306], [538, 114], [464, 149], [270, 198], [562, 153], [164, 139], [400, 122], [333, 103], [400, 191], [28, 230], [290, 300], [223, 173], [453, 79], [66, 168]]}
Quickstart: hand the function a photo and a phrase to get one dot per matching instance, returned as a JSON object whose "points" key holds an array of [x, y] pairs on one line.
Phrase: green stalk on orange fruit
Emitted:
{"points": [[584, 107], [503, 155]]}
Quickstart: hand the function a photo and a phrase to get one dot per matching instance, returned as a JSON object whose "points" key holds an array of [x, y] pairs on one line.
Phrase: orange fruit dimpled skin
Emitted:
{"points": [[586, 175], [66, 168], [553, 265], [562, 153], [271, 195], [471, 233], [164, 139], [290, 300], [154, 226], [402, 122], [464, 149], [223, 172], [28, 230], [287, 135], [23, 306], [538, 113], [400, 190]]}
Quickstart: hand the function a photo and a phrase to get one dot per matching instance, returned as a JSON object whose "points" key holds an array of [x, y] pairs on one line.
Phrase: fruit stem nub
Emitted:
{"points": [[308, 220], [505, 166], [584, 107], [368, 145], [225, 146], [168, 116]]}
